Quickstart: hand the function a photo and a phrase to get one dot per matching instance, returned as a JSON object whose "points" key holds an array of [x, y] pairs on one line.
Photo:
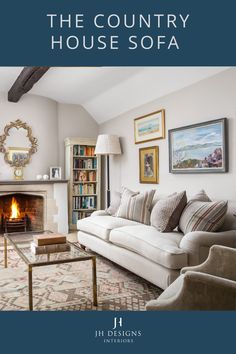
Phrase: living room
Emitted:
{"points": [[70, 107]]}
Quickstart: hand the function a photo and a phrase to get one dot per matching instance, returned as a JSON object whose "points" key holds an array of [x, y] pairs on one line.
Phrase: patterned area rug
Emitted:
{"points": [[69, 286]]}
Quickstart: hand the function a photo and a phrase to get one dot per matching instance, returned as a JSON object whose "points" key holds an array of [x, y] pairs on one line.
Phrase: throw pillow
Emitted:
{"points": [[201, 196], [115, 203], [166, 212], [203, 216], [136, 206]]}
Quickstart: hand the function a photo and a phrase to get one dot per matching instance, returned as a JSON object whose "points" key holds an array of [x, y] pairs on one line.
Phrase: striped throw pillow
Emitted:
{"points": [[203, 216], [136, 206]]}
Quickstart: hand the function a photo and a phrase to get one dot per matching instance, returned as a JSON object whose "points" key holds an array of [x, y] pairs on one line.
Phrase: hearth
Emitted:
{"points": [[46, 206], [21, 212], [14, 225]]}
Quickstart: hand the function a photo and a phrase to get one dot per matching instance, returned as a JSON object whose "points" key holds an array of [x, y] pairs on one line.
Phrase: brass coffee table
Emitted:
{"points": [[21, 243]]}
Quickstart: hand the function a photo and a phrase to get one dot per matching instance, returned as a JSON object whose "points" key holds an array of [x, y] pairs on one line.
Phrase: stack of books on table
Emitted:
{"points": [[49, 243]]}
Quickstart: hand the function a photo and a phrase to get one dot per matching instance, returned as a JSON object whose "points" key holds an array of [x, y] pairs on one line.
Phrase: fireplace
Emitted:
{"points": [[21, 212], [44, 202]]}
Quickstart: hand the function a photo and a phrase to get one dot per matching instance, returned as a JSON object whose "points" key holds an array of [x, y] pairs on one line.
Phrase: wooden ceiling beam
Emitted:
{"points": [[25, 81]]}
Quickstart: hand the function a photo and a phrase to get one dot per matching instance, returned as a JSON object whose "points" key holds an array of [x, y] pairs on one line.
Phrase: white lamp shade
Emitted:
{"points": [[107, 145]]}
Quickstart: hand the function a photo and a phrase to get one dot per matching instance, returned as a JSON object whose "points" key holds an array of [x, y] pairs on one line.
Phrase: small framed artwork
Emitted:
{"points": [[199, 148], [149, 127], [149, 165], [55, 172], [18, 156]]}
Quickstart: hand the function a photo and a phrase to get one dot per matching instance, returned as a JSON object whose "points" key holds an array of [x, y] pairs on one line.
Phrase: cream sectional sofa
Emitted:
{"points": [[155, 256]]}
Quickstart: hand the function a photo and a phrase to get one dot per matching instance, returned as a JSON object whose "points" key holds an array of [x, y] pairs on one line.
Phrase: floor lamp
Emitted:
{"points": [[108, 145]]}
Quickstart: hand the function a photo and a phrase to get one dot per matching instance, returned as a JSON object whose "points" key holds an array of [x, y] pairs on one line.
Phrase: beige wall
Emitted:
{"points": [[73, 121], [41, 115], [51, 124], [207, 100]]}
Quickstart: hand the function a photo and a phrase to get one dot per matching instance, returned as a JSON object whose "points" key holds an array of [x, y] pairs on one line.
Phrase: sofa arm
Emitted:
{"points": [[199, 291], [197, 243], [220, 262], [99, 213]]}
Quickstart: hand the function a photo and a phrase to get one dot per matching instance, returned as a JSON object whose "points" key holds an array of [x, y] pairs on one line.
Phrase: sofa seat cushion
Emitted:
{"points": [[101, 226], [161, 248]]}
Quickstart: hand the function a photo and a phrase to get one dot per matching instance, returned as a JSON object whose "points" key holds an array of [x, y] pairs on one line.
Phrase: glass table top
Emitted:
{"points": [[22, 243]]}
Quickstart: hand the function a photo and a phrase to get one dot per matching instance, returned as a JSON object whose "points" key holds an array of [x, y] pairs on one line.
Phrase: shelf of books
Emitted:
{"points": [[83, 169]]}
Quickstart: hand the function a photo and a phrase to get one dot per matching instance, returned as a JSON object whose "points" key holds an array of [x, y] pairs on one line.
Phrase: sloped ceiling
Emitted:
{"points": [[106, 92]]}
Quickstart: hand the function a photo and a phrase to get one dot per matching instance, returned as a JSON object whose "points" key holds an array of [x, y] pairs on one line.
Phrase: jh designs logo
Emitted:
{"points": [[116, 321], [118, 334]]}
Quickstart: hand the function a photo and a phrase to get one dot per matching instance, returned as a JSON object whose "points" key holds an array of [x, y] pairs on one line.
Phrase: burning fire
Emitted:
{"points": [[15, 210]]}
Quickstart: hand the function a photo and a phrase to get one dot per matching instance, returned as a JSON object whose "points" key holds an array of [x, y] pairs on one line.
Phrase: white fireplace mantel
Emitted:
{"points": [[24, 182], [55, 194]]}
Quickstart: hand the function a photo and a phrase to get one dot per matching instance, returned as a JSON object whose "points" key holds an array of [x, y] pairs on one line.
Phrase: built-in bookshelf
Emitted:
{"points": [[83, 170]]}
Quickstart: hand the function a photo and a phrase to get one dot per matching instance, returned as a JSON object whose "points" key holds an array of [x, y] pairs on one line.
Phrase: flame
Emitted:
{"points": [[15, 210]]}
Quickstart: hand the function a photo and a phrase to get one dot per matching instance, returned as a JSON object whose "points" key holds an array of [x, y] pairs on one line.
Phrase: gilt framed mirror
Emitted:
{"points": [[18, 145]]}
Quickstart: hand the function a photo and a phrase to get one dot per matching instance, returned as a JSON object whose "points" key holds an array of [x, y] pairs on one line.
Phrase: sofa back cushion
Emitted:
{"points": [[115, 203], [230, 218], [203, 216], [166, 213], [201, 196], [136, 206]]}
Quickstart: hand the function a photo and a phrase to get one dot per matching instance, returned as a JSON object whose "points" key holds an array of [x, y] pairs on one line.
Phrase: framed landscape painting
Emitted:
{"points": [[149, 127], [199, 148], [149, 165]]}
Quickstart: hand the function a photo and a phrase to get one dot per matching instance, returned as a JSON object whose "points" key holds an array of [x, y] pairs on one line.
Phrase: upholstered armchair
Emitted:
{"points": [[208, 286]]}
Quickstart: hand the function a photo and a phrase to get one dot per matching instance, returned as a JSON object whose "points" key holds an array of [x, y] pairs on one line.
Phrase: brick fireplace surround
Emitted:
{"points": [[48, 197], [30, 210]]}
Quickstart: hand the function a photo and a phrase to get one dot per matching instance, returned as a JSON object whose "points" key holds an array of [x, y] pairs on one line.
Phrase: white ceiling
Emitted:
{"points": [[106, 92]]}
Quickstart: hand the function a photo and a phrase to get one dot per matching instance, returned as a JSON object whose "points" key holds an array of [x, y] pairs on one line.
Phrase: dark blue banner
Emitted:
{"points": [[118, 32], [117, 332]]}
